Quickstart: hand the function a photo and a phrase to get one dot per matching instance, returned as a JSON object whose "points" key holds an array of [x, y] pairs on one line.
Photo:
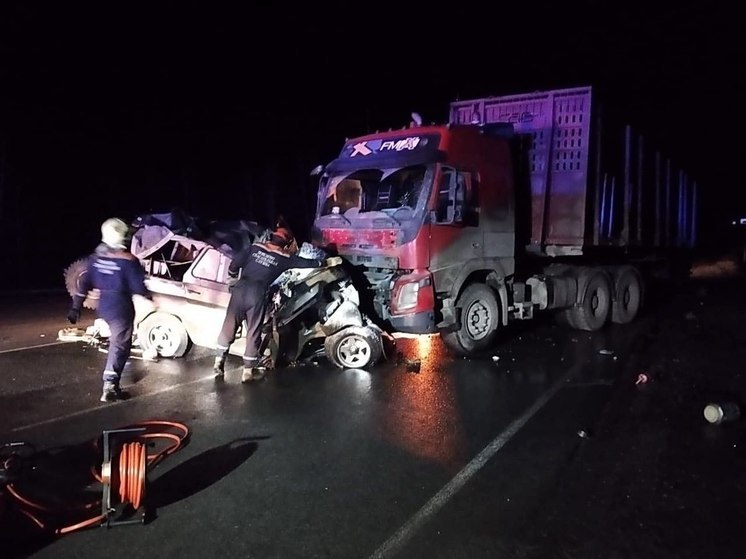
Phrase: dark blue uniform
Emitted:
{"points": [[118, 275], [261, 264]]}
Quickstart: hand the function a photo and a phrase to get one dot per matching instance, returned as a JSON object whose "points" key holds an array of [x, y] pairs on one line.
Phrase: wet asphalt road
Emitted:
{"points": [[448, 461]]}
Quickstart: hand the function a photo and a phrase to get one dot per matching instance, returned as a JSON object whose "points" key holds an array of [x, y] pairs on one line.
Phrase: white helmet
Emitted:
{"points": [[114, 232]]}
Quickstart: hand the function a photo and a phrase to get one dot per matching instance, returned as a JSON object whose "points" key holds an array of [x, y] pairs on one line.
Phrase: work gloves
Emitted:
{"points": [[73, 315]]}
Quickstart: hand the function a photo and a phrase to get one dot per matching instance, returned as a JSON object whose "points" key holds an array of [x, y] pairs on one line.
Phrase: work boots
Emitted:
{"points": [[219, 367], [111, 392]]}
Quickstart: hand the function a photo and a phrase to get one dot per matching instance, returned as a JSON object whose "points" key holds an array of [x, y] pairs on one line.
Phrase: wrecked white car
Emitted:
{"points": [[313, 310]]}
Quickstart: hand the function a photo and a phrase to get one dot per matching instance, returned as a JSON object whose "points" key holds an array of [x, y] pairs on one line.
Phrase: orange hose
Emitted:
{"points": [[134, 462], [132, 473]]}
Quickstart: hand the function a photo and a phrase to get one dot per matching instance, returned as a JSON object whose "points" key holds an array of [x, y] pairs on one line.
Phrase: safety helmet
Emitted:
{"points": [[282, 237], [114, 233]]}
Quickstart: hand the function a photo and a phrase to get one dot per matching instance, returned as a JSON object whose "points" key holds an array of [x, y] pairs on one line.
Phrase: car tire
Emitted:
{"points": [[163, 333], [354, 347]]}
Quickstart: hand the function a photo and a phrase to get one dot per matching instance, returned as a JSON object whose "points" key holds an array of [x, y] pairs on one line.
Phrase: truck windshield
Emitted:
{"points": [[399, 193]]}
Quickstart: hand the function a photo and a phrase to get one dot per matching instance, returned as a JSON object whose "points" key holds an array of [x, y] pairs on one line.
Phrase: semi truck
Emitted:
{"points": [[518, 204]]}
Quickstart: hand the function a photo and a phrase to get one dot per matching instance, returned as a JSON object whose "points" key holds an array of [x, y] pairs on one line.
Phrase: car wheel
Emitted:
{"points": [[163, 333], [354, 348]]}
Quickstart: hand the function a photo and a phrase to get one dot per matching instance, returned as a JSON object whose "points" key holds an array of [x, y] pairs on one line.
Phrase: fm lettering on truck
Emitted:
{"points": [[399, 145], [369, 147]]}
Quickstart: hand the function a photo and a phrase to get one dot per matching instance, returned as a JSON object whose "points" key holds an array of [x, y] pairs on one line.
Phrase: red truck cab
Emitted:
{"points": [[421, 209]]}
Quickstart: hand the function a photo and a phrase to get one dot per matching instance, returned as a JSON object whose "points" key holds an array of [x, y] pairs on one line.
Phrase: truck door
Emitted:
{"points": [[455, 234]]}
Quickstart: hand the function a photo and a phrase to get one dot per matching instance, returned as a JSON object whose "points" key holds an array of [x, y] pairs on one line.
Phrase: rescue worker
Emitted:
{"points": [[259, 265], [118, 275]]}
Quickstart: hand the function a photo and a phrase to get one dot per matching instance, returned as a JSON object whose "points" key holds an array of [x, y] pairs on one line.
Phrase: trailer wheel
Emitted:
{"points": [[566, 318], [163, 333], [354, 347], [628, 299], [74, 274], [592, 312], [480, 319]]}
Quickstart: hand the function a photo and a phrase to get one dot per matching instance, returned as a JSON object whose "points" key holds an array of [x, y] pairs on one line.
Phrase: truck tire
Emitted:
{"points": [[628, 295], [163, 333], [566, 318], [73, 274], [479, 321], [592, 312], [354, 347]]}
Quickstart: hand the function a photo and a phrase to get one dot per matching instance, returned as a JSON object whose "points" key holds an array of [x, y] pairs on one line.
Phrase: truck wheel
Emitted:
{"points": [[73, 274], [354, 347], [480, 319], [592, 312], [163, 333], [628, 291], [566, 318]]}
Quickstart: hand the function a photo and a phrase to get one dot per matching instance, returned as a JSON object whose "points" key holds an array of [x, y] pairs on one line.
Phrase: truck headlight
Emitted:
{"points": [[413, 293]]}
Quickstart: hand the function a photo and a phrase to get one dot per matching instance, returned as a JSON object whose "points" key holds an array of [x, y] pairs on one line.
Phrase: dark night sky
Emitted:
{"points": [[119, 111]]}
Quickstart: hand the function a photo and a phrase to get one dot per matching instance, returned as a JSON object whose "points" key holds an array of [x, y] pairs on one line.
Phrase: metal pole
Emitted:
{"points": [[611, 207], [685, 210], [667, 221], [602, 225], [627, 186], [657, 240], [2, 179], [639, 189], [680, 213], [597, 222], [693, 220]]}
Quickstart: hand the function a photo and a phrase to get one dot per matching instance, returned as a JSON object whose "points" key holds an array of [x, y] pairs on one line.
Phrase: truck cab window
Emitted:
{"points": [[343, 195], [375, 190]]}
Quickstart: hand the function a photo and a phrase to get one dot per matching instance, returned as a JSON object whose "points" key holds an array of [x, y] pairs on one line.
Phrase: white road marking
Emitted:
{"points": [[400, 538], [34, 346], [139, 397]]}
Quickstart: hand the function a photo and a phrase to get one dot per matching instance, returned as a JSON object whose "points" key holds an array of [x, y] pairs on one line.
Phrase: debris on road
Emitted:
{"points": [[584, 434], [413, 365], [495, 358], [70, 334], [642, 378], [606, 352]]}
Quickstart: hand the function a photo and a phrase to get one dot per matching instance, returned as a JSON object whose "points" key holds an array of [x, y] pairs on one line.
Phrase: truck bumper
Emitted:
{"points": [[415, 323]]}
